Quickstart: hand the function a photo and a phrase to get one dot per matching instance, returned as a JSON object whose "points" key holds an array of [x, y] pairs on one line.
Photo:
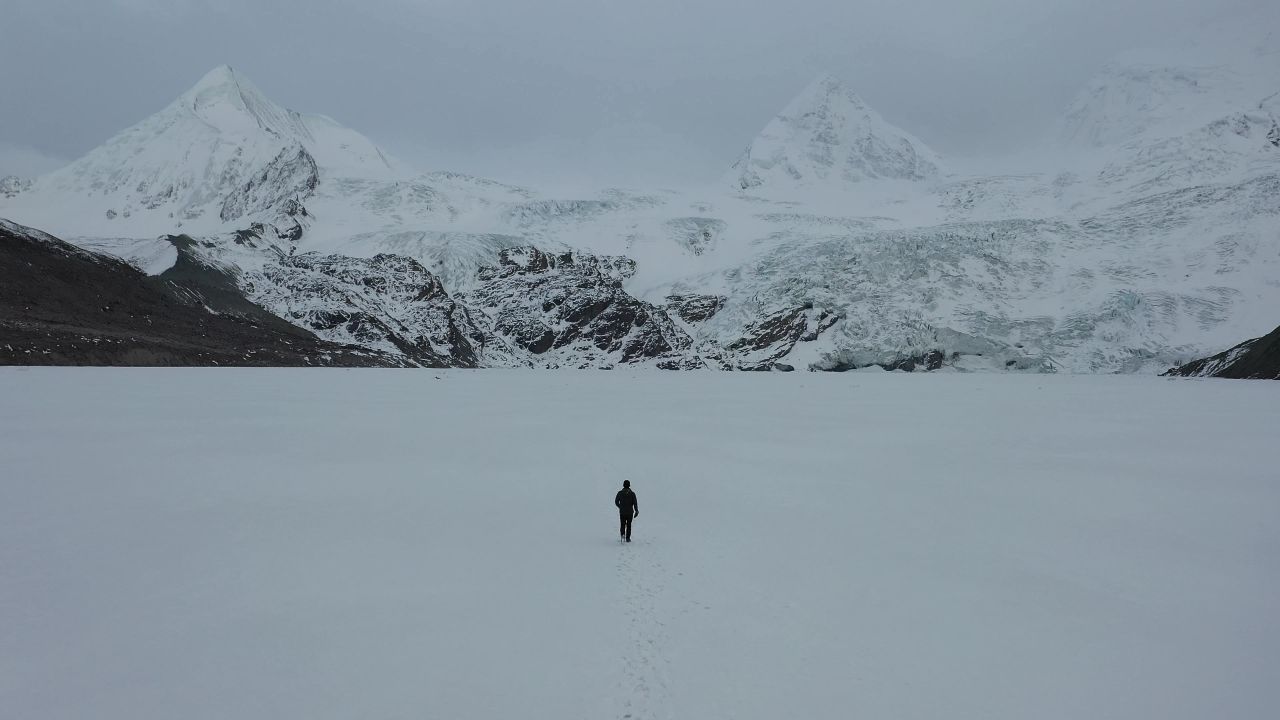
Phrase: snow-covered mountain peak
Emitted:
{"points": [[833, 245], [1128, 101], [220, 153], [1152, 94], [230, 103], [819, 91], [1200, 110], [220, 79], [828, 134]]}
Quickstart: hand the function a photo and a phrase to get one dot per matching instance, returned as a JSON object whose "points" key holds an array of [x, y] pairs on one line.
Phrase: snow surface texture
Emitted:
{"points": [[222, 544], [1149, 238]]}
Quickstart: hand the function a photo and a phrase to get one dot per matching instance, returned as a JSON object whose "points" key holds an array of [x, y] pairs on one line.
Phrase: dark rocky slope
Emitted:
{"points": [[1257, 359], [61, 305], [570, 310]]}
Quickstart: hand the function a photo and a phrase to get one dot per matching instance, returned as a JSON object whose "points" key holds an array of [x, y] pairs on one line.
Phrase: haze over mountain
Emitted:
{"points": [[828, 134], [670, 94]]}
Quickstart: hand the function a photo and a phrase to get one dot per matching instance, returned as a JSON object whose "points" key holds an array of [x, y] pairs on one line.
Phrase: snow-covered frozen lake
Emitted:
{"points": [[407, 544]]}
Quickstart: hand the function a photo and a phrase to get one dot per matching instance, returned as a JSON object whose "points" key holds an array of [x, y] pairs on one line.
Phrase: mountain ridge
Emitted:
{"points": [[853, 250]]}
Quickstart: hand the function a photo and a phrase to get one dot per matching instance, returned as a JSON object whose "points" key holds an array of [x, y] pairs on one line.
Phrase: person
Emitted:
{"points": [[628, 508]]}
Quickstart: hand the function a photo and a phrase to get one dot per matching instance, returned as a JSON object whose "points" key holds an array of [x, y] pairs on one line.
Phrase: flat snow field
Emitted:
{"points": [[189, 544]]}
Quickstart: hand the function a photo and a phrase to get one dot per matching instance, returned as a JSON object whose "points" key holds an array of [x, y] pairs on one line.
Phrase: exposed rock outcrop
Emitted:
{"points": [[693, 308], [772, 338], [387, 302], [570, 310], [281, 187], [1257, 359]]}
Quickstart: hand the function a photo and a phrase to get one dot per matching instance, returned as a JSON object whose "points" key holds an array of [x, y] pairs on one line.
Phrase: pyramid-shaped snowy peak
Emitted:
{"points": [[826, 135], [232, 105], [221, 139]]}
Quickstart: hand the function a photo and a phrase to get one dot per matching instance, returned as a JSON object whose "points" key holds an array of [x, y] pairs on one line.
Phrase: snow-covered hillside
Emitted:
{"points": [[220, 153], [836, 241], [829, 135], [223, 543]]}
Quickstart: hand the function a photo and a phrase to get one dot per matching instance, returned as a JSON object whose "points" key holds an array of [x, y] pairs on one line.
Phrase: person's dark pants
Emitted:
{"points": [[625, 529]]}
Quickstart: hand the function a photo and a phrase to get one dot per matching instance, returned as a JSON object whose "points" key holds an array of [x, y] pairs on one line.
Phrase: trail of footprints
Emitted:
{"points": [[643, 693]]}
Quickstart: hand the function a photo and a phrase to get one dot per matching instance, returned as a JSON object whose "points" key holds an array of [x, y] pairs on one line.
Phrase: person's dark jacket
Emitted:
{"points": [[627, 504]]}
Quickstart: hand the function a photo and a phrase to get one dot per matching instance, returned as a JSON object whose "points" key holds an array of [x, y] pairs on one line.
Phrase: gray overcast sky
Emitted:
{"points": [[572, 91]]}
